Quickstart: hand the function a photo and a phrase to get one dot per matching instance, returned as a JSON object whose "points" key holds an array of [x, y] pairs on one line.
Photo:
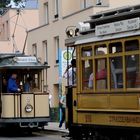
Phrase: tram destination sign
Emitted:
{"points": [[25, 59], [117, 27]]}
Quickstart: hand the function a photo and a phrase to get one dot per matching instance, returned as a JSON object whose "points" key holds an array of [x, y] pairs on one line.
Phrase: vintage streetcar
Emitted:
{"points": [[105, 103], [25, 109]]}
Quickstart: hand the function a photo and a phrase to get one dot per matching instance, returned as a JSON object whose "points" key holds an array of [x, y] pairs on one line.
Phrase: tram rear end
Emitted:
{"points": [[26, 109]]}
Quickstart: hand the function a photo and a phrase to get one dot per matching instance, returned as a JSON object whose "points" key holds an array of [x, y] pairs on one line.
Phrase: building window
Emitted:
{"points": [[3, 29], [46, 8], [45, 52], [86, 3], [57, 49], [56, 9], [34, 49], [101, 3], [98, 2]]}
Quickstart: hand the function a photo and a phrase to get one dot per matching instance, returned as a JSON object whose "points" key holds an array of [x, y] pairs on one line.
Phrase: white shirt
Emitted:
{"points": [[71, 76], [90, 81]]}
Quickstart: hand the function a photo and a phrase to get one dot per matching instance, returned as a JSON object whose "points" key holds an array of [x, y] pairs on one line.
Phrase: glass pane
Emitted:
{"points": [[100, 49], [116, 72], [87, 74], [101, 74], [132, 71], [115, 47], [86, 51], [131, 45]]}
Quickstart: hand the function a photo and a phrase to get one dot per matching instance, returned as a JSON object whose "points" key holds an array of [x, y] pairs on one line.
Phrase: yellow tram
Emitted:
{"points": [[26, 109], [107, 94]]}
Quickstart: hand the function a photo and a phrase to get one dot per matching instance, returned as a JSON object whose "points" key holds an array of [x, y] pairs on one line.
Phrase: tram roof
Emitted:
{"points": [[112, 15], [20, 61], [106, 17]]}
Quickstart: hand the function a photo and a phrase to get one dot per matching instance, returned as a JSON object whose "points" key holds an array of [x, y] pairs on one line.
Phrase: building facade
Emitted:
{"points": [[55, 16], [13, 27]]}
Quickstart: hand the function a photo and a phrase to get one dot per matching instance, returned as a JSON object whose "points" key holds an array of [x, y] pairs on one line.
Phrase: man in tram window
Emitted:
{"points": [[12, 86]]}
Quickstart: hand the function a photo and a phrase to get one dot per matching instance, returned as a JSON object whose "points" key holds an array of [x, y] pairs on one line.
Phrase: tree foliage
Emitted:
{"points": [[4, 3]]}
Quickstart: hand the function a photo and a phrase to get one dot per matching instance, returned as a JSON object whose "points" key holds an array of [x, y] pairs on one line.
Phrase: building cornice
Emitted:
{"points": [[38, 27], [77, 12]]}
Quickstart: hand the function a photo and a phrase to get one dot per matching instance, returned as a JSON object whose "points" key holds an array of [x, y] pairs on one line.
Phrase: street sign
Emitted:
{"points": [[66, 58]]}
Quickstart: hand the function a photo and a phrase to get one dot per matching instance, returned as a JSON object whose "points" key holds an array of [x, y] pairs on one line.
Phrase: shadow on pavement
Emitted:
{"points": [[4, 132]]}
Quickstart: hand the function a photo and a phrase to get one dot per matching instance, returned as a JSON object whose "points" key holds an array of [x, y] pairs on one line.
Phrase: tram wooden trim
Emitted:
{"points": [[108, 110]]}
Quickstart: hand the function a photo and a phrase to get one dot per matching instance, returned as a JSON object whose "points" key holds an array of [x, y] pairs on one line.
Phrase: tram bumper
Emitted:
{"points": [[25, 123]]}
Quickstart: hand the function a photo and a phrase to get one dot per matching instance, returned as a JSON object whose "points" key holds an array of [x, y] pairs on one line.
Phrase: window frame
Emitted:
{"points": [[57, 48], [34, 49], [46, 12], [107, 56], [56, 9], [45, 51]]}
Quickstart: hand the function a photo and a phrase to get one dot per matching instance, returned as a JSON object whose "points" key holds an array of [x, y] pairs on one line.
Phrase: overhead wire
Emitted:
{"points": [[13, 36], [23, 21], [16, 24], [26, 34]]}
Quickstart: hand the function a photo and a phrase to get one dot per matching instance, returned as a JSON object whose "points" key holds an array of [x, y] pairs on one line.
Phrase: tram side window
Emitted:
{"points": [[132, 71], [131, 45], [86, 51], [115, 47], [116, 72], [132, 64], [100, 49], [87, 74], [101, 74]]}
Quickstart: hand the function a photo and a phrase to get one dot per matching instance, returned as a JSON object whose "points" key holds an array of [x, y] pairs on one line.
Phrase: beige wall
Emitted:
{"points": [[70, 6], [116, 4], [27, 20], [48, 33], [69, 15]]}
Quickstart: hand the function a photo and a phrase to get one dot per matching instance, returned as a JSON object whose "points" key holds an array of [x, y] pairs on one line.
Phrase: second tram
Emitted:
{"points": [[26, 109]]}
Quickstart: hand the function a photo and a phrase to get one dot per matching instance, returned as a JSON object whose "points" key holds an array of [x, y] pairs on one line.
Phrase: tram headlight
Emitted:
{"points": [[70, 32], [28, 108]]}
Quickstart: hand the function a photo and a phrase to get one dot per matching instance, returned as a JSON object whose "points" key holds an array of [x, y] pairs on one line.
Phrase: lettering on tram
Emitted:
{"points": [[124, 119], [24, 101]]}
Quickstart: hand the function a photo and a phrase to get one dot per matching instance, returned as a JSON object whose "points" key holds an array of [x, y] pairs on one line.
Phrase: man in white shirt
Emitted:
{"points": [[70, 73]]}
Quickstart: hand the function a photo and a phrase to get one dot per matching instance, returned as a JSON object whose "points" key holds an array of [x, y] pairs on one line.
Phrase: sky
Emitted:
{"points": [[28, 4]]}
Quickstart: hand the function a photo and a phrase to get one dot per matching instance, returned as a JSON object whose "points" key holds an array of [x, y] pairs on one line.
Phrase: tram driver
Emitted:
{"points": [[12, 86]]}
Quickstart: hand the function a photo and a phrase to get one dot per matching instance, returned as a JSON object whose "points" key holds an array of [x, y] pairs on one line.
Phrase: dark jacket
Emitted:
{"points": [[12, 86]]}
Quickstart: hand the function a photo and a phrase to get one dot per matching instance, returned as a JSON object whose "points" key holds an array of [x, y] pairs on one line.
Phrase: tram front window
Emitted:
{"points": [[87, 74]]}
